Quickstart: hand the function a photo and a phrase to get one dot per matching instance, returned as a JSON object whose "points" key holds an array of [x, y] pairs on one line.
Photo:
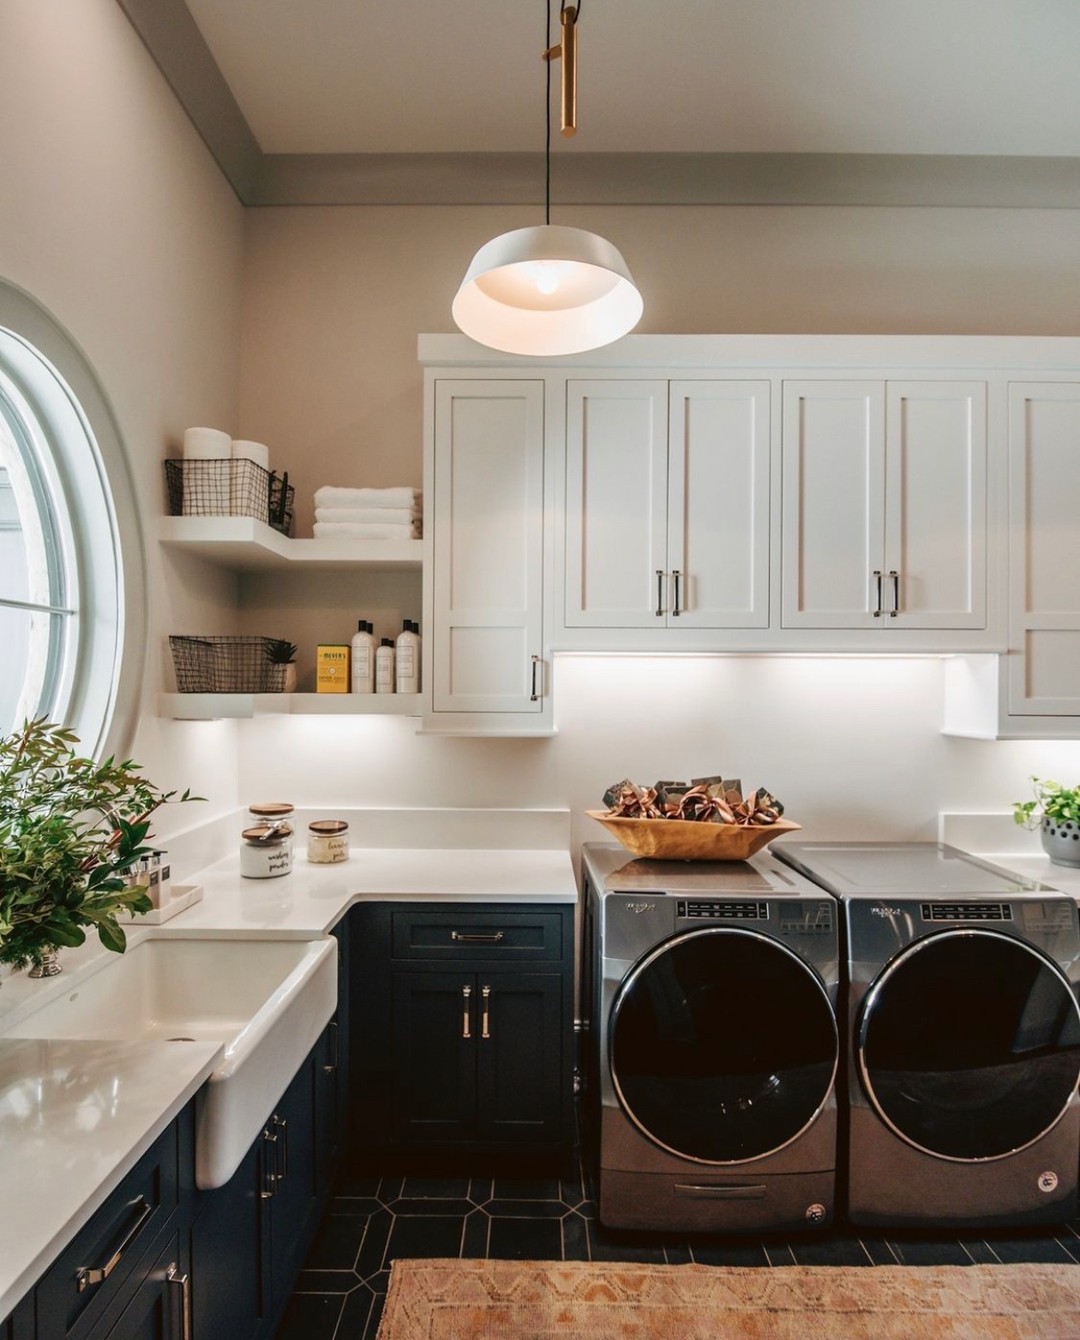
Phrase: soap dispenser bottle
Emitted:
{"points": [[407, 651], [384, 666], [363, 658]]}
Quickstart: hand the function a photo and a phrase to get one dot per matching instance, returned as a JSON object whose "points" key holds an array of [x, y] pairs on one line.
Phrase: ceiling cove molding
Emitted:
{"points": [[952, 181], [670, 179]]}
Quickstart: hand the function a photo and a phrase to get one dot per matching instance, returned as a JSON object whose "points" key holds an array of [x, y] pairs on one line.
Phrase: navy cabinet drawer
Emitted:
{"points": [[495, 934], [76, 1289]]}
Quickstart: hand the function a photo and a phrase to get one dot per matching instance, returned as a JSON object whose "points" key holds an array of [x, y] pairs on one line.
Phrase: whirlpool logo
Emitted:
{"points": [[640, 907], [884, 910]]}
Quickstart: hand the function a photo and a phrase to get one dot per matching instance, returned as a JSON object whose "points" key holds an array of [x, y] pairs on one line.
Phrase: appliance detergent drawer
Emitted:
{"points": [[487, 934], [88, 1274]]}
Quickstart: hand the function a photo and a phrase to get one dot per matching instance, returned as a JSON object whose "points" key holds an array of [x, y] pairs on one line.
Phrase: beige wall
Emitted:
{"points": [[114, 217]]}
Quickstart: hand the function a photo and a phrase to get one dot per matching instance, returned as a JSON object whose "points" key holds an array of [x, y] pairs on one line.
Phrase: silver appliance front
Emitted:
{"points": [[964, 1038], [715, 1045]]}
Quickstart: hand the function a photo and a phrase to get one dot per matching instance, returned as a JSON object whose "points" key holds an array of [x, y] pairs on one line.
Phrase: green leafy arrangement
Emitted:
{"points": [[1052, 801], [69, 830]]}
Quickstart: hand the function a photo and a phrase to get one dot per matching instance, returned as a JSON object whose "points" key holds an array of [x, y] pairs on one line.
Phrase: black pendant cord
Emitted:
{"points": [[547, 119]]}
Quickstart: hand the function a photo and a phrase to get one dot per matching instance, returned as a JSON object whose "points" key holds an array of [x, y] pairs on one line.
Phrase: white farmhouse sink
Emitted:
{"points": [[266, 1000]]}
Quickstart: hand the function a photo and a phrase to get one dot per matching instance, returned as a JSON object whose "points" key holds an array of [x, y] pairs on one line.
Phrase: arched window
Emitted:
{"points": [[71, 620]]}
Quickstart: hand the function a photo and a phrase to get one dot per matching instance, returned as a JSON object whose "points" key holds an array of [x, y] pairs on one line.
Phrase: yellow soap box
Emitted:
{"points": [[332, 668]]}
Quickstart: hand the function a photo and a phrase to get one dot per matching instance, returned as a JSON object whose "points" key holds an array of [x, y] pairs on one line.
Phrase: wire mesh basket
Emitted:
{"points": [[227, 664], [231, 486]]}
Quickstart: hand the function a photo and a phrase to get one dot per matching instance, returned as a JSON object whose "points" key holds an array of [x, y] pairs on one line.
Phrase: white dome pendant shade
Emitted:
{"points": [[547, 290]]}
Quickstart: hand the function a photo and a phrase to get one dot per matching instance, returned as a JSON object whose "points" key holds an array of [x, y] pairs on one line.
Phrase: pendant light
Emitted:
{"points": [[549, 290]]}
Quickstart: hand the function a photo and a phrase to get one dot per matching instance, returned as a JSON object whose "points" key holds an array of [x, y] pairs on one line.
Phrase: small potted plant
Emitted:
{"points": [[69, 830], [1055, 811], [282, 653]]}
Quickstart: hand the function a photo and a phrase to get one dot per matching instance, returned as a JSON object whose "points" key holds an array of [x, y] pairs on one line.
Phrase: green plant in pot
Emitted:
{"points": [[1055, 812], [69, 830], [281, 653]]}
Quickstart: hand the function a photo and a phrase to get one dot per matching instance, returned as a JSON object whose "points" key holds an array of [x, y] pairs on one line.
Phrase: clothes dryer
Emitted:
{"points": [[963, 1036], [710, 991]]}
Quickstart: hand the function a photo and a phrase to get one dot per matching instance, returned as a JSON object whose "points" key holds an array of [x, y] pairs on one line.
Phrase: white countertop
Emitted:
{"points": [[312, 898], [75, 1116]]}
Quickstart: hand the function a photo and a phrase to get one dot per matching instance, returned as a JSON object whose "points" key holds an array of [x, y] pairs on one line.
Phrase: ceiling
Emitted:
{"points": [[706, 76], [889, 102]]}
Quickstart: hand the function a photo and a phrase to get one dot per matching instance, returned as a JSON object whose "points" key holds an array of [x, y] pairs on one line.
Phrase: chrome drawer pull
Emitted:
{"points": [[332, 1044], [89, 1275], [877, 582], [720, 1192], [659, 593], [466, 992], [675, 610], [270, 1165], [465, 938], [184, 1281], [534, 693], [895, 595], [485, 1023]]}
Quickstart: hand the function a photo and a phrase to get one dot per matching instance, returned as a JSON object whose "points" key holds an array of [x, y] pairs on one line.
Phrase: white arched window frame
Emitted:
{"points": [[72, 619]]}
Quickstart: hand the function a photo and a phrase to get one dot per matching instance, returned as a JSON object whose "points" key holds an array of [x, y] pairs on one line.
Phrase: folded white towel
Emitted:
{"points": [[365, 531], [329, 496], [206, 444], [382, 516]]}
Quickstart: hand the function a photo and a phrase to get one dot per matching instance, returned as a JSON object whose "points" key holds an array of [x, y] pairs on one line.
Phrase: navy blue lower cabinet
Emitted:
{"points": [[250, 1236], [461, 1028], [20, 1325], [160, 1305]]}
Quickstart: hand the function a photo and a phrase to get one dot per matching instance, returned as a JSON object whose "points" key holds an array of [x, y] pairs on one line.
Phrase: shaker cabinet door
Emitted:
{"points": [[616, 504], [833, 504], [1044, 604], [488, 548], [935, 505]]}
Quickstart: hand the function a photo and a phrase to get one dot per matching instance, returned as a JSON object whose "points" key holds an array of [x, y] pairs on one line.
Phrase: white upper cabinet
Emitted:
{"points": [[1044, 513], [487, 668], [667, 506], [884, 510]]}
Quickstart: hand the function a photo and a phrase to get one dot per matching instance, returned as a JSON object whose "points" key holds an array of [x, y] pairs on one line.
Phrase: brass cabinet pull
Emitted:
{"points": [[466, 993], [659, 593], [877, 582], [895, 594], [184, 1281], [86, 1276], [282, 1127], [485, 1023], [534, 693], [675, 610], [466, 938], [269, 1186]]}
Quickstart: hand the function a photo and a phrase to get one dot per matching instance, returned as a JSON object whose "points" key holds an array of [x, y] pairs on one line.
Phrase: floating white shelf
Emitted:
{"points": [[247, 545], [243, 706]]}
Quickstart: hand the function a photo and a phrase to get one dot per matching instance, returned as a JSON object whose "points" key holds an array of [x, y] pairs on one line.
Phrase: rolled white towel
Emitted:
{"points": [[250, 493], [382, 516], [330, 496], [206, 444], [364, 531], [206, 472], [252, 451]]}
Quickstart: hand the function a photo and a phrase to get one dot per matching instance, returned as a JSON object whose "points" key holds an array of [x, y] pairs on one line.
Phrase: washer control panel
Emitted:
{"points": [[713, 909]]}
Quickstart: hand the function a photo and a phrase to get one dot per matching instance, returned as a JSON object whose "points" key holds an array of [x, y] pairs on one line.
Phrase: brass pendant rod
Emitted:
{"points": [[566, 49]]}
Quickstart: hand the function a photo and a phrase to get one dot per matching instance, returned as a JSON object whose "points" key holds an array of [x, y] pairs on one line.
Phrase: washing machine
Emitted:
{"points": [[710, 992], [962, 1036]]}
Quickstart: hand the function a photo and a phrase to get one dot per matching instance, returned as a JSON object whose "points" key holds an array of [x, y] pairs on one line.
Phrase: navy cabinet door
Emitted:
{"points": [[156, 1310], [520, 1050], [294, 1203], [434, 1030], [228, 1267]]}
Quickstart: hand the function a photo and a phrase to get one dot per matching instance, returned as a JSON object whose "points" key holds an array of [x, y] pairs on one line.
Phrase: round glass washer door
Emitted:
{"points": [[723, 1045], [969, 1044]]}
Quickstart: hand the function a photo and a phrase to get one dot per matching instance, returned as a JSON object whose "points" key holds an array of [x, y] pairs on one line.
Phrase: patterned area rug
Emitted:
{"points": [[550, 1300]]}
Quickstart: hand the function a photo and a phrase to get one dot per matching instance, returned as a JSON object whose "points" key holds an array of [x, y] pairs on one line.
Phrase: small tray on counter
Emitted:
{"points": [[689, 840]]}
